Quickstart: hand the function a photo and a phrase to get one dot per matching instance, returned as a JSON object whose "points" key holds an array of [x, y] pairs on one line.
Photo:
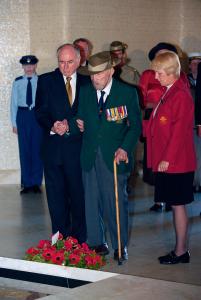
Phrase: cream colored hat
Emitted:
{"points": [[117, 45], [194, 55], [97, 63]]}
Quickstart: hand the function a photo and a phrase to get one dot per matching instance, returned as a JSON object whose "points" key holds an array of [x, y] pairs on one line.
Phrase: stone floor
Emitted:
{"points": [[15, 294], [24, 220], [125, 287]]}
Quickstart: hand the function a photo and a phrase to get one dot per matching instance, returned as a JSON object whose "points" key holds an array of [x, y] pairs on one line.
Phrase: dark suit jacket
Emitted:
{"points": [[109, 135], [52, 105], [198, 97]]}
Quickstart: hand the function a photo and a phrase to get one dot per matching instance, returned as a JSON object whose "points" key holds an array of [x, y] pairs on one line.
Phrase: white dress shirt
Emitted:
{"points": [[106, 90]]}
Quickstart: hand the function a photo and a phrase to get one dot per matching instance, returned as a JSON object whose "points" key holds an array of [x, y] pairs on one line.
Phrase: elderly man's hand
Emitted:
{"points": [[80, 124], [60, 127], [121, 155], [163, 166]]}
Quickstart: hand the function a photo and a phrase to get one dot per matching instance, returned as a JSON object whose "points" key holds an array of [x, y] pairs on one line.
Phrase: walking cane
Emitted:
{"points": [[117, 213]]}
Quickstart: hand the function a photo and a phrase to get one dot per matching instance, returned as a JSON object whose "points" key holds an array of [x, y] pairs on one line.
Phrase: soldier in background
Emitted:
{"points": [[123, 71], [25, 125]]}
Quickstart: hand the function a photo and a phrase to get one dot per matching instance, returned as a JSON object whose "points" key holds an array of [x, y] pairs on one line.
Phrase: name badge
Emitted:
{"points": [[163, 120]]}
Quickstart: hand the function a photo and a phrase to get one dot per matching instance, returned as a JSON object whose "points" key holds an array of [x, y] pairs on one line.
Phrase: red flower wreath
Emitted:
{"points": [[66, 252]]}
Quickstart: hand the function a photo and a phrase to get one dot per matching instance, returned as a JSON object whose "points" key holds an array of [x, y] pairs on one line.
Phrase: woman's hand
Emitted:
{"points": [[163, 166]]}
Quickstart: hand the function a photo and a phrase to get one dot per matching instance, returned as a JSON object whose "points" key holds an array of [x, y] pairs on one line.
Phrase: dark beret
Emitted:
{"points": [[29, 60], [161, 46]]}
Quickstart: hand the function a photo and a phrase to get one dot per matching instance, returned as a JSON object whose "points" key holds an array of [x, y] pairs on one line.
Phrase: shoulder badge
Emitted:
{"points": [[18, 78]]}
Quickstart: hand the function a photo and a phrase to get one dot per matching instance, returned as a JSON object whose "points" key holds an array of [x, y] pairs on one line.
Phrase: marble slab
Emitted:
{"points": [[54, 270]]}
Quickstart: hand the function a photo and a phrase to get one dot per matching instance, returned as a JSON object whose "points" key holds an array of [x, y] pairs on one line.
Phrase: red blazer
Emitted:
{"points": [[170, 132], [150, 87]]}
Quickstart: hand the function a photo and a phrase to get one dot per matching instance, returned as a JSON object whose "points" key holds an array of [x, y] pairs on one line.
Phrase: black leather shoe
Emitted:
{"points": [[156, 207], [172, 258], [36, 189], [124, 254], [26, 190], [101, 249]]}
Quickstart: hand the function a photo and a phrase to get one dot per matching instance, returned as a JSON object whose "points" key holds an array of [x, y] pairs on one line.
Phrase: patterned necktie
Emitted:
{"points": [[101, 103], [69, 90], [29, 92]]}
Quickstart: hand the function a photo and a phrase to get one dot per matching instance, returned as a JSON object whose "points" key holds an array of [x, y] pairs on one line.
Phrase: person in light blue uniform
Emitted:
{"points": [[26, 127]]}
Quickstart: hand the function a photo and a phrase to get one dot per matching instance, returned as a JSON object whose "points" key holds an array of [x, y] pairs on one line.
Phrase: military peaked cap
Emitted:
{"points": [[29, 60]]}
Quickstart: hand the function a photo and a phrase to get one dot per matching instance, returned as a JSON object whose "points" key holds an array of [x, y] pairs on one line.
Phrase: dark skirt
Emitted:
{"points": [[174, 188]]}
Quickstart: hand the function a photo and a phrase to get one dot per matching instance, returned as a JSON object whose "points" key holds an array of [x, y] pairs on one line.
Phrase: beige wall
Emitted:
{"points": [[14, 41], [40, 26], [139, 23]]}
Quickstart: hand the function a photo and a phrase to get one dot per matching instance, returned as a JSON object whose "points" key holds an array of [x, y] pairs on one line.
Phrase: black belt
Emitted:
{"points": [[25, 108]]}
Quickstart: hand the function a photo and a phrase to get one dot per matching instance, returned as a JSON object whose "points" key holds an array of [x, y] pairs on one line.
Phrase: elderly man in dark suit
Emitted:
{"points": [[56, 104], [109, 116]]}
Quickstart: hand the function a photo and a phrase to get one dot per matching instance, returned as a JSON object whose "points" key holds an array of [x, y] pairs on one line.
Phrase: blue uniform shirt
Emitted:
{"points": [[18, 96]]}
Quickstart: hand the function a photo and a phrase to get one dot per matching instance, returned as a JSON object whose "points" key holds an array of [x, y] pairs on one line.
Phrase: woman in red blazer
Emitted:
{"points": [[170, 149], [151, 91]]}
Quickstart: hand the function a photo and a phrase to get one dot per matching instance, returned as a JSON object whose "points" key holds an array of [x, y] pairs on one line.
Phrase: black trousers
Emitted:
{"points": [[65, 195]]}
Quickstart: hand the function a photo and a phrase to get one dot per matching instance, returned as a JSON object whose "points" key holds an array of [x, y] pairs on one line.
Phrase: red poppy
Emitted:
{"points": [[44, 244], [78, 251], [53, 248], [58, 258], [47, 254], [74, 259], [72, 240], [68, 245], [94, 260], [32, 251], [85, 246]]}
